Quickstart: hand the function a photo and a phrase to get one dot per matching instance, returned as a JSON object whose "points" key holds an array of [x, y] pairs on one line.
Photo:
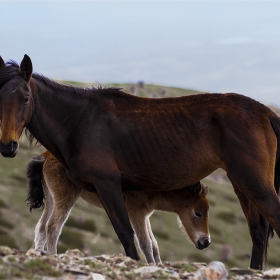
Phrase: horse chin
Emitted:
{"points": [[9, 155]]}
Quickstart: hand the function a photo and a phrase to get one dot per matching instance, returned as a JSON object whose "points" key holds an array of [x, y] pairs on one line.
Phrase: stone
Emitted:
{"points": [[216, 271], [4, 250], [147, 269], [33, 252], [75, 253], [97, 276], [272, 272], [239, 271], [200, 274], [104, 257]]}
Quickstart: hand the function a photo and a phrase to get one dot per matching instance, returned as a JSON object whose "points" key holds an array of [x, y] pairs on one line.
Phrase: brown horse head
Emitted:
{"points": [[193, 214], [15, 105]]}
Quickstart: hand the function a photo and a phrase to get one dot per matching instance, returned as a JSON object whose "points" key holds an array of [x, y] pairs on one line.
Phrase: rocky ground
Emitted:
{"points": [[74, 264]]}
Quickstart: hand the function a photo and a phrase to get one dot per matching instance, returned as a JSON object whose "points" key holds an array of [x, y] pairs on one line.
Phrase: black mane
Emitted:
{"points": [[12, 70]]}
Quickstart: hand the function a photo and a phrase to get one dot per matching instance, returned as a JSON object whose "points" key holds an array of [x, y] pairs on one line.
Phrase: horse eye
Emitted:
{"points": [[198, 214]]}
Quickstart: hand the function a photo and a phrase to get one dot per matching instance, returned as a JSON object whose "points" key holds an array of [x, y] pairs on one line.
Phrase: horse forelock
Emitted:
{"points": [[8, 72]]}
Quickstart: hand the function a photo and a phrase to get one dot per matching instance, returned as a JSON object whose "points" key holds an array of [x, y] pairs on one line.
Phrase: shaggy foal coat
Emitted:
{"points": [[60, 193]]}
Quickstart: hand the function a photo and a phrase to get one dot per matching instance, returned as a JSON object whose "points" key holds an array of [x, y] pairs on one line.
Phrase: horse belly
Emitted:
{"points": [[166, 173]]}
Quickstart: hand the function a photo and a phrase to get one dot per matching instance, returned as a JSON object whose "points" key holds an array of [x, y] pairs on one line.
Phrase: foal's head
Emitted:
{"points": [[15, 105], [193, 211]]}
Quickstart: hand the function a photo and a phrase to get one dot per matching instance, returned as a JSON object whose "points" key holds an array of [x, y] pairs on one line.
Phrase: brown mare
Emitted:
{"points": [[48, 180], [109, 141]]}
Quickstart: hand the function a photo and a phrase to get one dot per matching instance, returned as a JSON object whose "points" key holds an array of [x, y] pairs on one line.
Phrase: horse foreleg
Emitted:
{"points": [[111, 196], [40, 229], [140, 220], [259, 230]]}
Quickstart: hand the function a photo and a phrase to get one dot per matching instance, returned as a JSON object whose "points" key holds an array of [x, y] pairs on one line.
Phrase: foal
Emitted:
{"points": [[48, 179]]}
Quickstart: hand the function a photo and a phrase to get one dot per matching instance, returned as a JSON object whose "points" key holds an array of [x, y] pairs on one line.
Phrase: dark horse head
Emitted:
{"points": [[15, 103]]}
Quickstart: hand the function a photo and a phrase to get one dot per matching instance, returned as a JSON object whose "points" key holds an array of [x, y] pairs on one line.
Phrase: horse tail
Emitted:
{"points": [[275, 123], [35, 193]]}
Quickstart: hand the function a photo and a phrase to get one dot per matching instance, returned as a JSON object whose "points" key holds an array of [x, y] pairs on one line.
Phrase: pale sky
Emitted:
{"points": [[214, 46]]}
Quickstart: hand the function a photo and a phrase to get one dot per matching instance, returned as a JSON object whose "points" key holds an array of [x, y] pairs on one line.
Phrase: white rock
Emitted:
{"points": [[146, 269], [104, 257], [198, 275], [272, 272], [97, 276], [33, 252], [216, 271]]}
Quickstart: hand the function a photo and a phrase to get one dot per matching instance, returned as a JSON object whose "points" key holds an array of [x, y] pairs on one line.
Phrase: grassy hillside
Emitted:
{"points": [[89, 229]]}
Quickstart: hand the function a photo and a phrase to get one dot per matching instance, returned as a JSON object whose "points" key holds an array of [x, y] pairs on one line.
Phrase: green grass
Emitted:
{"points": [[81, 223]]}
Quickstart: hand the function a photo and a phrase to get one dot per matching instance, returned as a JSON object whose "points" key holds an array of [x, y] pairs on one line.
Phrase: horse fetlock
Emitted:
{"points": [[52, 249]]}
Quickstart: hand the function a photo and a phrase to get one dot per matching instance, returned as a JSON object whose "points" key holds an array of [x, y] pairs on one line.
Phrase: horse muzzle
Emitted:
{"points": [[9, 150], [203, 243]]}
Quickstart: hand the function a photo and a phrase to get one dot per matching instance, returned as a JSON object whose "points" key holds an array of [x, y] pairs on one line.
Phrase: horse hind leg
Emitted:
{"points": [[64, 194], [63, 203], [259, 230], [40, 229]]}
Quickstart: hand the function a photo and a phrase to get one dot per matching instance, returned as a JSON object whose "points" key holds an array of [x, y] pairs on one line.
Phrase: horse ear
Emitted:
{"points": [[205, 190], [196, 189], [2, 63], [25, 68]]}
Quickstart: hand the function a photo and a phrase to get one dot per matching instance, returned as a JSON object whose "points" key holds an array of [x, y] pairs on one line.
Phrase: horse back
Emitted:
{"points": [[170, 142]]}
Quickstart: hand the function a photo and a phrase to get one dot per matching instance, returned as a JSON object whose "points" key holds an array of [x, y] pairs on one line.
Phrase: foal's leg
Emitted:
{"points": [[63, 203], [259, 230], [155, 247], [140, 222], [40, 229]]}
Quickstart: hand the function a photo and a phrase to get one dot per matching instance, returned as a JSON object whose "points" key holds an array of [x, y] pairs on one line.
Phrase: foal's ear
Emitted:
{"points": [[196, 189], [2, 63], [204, 191], [25, 68]]}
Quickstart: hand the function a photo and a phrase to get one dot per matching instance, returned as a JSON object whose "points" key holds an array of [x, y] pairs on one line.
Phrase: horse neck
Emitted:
{"points": [[52, 111], [164, 201]]}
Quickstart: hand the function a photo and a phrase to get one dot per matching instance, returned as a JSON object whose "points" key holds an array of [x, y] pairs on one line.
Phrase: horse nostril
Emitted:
{"points": [[10, 149], [202, 244], [14, 145], [206, 243]]}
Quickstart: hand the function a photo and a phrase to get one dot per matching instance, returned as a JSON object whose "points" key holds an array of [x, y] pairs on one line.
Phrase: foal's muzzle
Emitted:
{"points": [[203, 243], [9, 150]]}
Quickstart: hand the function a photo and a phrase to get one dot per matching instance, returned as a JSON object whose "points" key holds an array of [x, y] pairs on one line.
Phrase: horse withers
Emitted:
{"points": [[110, 141], [48, 180]]}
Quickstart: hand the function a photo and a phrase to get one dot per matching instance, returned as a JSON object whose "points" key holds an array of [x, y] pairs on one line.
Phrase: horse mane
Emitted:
{"points": [[11, 70], [33, 142], [8, 72]]}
